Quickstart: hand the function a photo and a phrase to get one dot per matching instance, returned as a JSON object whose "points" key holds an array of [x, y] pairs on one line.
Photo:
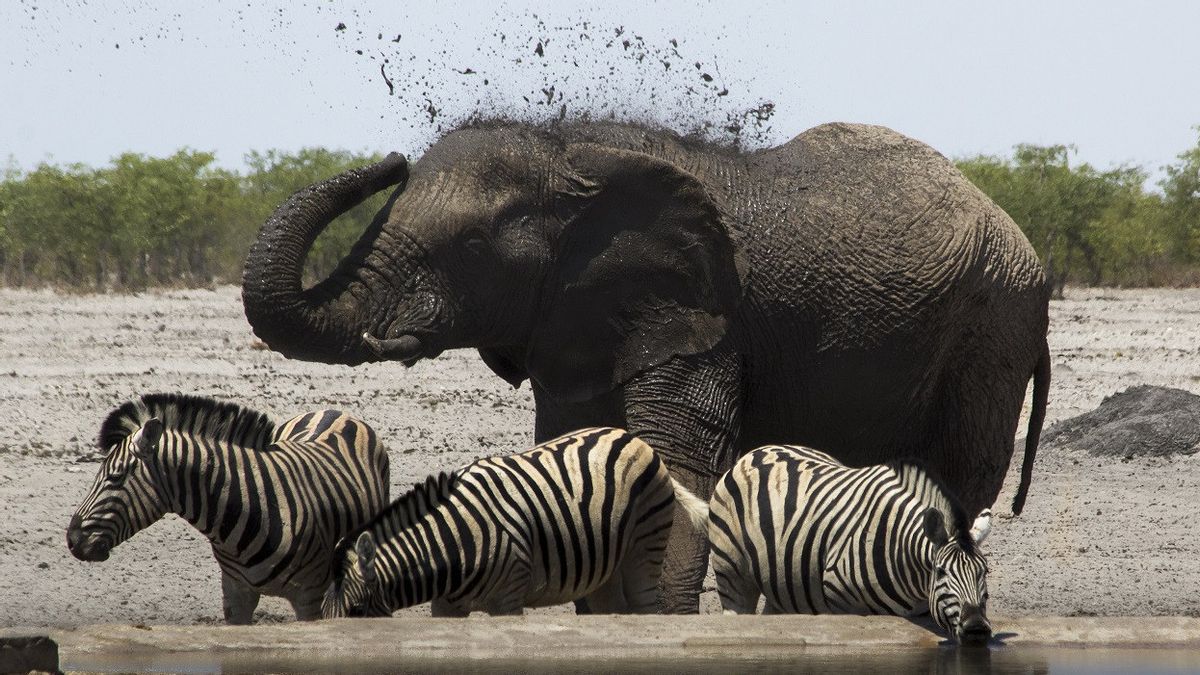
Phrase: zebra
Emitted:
{"points": [[584, 517], [272, 500], [814, 536]]}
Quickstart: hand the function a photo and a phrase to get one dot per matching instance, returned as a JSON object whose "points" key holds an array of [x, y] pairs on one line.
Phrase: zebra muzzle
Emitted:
{"points": [[974, 629], [84, 546]]}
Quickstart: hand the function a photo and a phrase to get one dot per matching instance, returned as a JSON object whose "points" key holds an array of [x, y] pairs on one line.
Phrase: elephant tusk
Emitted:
{"points": [[405, 348]]}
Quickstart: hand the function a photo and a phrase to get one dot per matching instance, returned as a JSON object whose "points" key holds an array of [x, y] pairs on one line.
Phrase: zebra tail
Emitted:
{"points": [[1041, 391], [695, 507]]}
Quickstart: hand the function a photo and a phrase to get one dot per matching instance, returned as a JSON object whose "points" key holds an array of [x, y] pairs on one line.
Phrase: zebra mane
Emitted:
{"points": [[931, 491], [406, 509], [196, 415]]}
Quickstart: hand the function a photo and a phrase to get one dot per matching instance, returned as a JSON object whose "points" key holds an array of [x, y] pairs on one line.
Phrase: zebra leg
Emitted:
{"points": [[512, 591], [307, 607], [640, 584], [736, 588], [738, 592], [238, 600], [511, 603], [632, 587], [443, 608], [609, 598], [640, 570], [772, 608], [689, 411]]}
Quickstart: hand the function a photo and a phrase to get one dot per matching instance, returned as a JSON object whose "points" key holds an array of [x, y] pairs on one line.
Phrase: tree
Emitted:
{"points": [[1074, 216], [1181, 208]]}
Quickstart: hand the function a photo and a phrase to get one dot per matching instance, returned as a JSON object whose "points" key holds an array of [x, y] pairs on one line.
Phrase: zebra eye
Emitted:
{"points": [[985, 596], [941, 571]]}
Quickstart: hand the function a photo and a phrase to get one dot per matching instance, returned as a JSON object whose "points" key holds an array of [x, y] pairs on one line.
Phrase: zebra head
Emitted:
{"points": [[355, 590], [958, 579], [125, 497]]}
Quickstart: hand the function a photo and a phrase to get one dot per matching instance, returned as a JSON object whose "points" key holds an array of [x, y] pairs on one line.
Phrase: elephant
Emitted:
{"points": [[849, 290]]}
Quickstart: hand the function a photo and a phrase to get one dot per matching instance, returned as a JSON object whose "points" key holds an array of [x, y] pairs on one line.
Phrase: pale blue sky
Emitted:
{"points": [[1121, 80]]}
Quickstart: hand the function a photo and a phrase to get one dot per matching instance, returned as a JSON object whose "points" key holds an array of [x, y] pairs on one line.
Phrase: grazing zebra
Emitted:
{"points": [[273, 500], [584, 517], [814, 536]]}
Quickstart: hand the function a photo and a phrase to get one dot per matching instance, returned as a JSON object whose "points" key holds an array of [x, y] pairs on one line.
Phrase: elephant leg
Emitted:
{"points": [[686, 562], [689, 411], [973, 428], [555, 418]]}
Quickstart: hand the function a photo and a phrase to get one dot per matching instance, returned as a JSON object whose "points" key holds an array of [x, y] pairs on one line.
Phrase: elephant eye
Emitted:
{"points": [[476, 244]]}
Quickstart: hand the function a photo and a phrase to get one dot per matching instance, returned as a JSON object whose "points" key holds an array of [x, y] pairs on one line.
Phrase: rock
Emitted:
{"points": [[1141, 421]]}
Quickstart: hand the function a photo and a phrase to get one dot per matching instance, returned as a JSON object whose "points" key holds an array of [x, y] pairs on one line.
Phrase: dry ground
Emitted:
{"points": [[1098, 536]]}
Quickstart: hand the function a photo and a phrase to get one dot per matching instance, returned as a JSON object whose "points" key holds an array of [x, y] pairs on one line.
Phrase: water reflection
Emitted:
{"points": [[945, 659]]}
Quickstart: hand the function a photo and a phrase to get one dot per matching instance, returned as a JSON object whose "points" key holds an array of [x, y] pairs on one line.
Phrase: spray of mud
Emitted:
{"points": [[541, 70]]}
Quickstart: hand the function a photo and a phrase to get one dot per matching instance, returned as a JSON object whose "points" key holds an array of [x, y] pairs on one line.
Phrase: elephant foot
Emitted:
{"points": [[687, 553]]}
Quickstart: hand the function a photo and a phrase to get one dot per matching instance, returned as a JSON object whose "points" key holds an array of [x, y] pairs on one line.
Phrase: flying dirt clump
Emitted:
{"points": [[573, 68], [1140, 421]]}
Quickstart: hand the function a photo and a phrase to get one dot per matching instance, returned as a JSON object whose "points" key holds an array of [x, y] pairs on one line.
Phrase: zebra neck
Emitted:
{"points": [[916, 560], [898, 559], [219, 489], [425, 560]]}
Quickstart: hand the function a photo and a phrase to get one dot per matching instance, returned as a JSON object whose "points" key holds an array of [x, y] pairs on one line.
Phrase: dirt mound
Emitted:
{"points": [[1140, 421]]}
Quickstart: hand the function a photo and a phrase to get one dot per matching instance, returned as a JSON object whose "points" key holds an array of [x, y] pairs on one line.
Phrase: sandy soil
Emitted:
{"points": [[1098, 536]]}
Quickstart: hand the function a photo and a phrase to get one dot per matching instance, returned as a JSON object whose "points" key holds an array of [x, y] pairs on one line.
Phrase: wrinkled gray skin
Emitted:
{"points": [[849, 290]]}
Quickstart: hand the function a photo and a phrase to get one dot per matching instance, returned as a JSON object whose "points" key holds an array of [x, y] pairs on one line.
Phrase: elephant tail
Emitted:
{"points": [[695, 507], [1041, 392]]}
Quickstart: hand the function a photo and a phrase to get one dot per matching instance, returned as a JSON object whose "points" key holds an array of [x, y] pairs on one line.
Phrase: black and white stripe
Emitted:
{"points": [[814, 536], [582, 518], [273, 500]]}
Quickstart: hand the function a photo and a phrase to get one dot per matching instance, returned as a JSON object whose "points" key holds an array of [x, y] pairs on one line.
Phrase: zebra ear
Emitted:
{"points": [[364, 548], [935, 527], [145, 440], [982, 527]]}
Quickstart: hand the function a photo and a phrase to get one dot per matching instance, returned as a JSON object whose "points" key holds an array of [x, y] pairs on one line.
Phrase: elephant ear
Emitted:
{"points": [[645, 271]]}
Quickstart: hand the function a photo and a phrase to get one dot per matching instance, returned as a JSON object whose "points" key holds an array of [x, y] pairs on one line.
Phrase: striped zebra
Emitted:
{"points": [[272, 500], [814, 536], [584, 517]]}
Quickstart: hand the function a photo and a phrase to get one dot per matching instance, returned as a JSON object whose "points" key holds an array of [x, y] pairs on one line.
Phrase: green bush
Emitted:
{"points": [[170, 221], [182, 221], [1098, 227]]}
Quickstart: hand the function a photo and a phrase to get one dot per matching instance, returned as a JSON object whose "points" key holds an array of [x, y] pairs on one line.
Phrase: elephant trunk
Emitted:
{"points": [[326, 322]]}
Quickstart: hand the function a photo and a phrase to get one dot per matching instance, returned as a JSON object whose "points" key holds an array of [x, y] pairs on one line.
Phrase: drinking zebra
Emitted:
{"points": [[814, 536], [273, 500], [584, 517]]}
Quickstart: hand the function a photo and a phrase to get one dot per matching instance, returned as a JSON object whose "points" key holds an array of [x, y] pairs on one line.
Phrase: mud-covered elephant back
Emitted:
{"points": [[902, 243], [645, 270]]}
